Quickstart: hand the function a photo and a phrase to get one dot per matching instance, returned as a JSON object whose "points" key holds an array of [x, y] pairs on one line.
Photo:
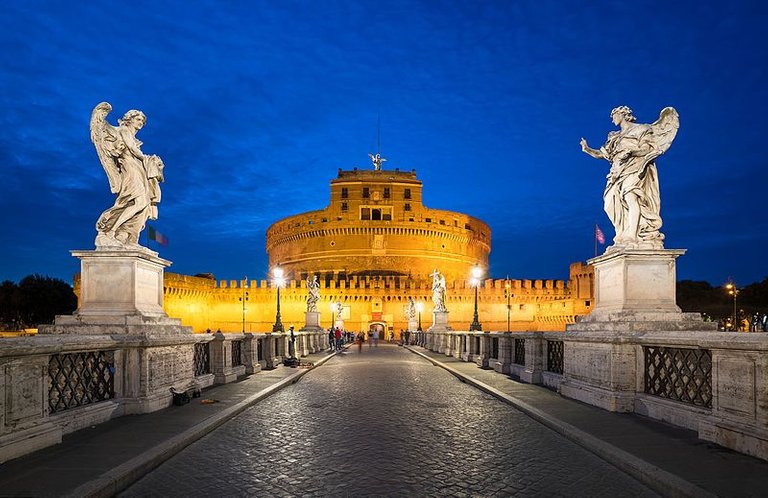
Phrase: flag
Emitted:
{"points": [[599, 236], [158, 237]]}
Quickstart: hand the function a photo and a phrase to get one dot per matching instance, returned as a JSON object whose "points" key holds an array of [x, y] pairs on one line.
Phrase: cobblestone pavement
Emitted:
{"points": [[384, 422]]}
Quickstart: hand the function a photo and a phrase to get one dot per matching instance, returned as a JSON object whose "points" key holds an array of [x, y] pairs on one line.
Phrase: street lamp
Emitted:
{"points": [[279, 281], [244, 299], [419, 308], [477, 272], [508, 294], [733, 291]]}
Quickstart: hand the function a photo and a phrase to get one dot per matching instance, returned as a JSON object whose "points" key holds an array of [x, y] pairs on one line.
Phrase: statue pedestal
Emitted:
{"points": [[121, 291], [312, 321], [634, 296], [439, 322]]}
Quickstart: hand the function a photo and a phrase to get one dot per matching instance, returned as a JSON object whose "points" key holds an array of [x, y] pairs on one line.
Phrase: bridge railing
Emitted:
{"points": [[713, 382]]}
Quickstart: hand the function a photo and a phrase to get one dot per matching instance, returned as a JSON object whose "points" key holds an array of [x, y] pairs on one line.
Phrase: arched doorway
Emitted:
{"points": [[380, 327]]}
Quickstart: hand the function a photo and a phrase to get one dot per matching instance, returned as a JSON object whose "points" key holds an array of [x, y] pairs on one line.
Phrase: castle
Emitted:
{"points": [[372, 248]]}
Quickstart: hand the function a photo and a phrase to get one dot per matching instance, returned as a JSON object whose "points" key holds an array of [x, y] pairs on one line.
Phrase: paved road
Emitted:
{"points": [[384, 422]]}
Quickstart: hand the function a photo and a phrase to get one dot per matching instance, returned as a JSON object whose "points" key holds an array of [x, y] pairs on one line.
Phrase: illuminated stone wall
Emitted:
{"points": [[534, 304]]}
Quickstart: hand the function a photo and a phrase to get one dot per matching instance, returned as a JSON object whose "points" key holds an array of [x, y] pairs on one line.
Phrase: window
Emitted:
{"points": [[442, 222], [386, 216], [407, 194], [407, 207], [428, 220], [386, 192], [344, 206], [376, 214], [366, 193], [365, 213], [344, 193]]}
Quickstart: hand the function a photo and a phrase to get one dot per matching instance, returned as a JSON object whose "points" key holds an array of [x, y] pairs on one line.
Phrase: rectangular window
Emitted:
{"points": [[386, 216], [366, 193], [344, 193], [376, 214], [344, 206], [407, 194], [442, 222], [428, 220], [386, 192], [365, 213], [407, 207]]}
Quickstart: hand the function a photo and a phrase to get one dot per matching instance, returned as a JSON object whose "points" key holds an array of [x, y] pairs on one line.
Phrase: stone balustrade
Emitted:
{"points": [[52, 385], [715, 383]]}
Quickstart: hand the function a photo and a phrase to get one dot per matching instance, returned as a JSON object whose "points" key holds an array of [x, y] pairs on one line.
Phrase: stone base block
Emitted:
{"points": [[85, 416], [311, 322], [439, 322], [118, 281], [501, 367], [28, 440], [747, 439], [614, 401], [115, 325]]}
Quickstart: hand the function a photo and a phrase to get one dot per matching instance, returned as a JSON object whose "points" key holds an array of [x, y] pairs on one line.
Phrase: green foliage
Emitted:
{"points": [[34, 301]]}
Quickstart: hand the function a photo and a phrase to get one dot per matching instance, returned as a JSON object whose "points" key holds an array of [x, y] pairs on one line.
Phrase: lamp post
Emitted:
{"points": [[733, 291], [477, 272], [279, 281], [508, 294], [419, 308], [244, 299]]}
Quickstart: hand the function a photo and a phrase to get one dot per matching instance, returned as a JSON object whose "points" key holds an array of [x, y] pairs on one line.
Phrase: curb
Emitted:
{"points": [[661, 481], [119, 478]]}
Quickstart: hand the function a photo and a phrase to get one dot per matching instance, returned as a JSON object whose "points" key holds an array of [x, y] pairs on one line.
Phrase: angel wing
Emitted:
{"points": [[664, 130], [108, 144]]}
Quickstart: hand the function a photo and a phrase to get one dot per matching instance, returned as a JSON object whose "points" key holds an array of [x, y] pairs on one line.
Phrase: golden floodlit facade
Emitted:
{"points": [[372, 248]]}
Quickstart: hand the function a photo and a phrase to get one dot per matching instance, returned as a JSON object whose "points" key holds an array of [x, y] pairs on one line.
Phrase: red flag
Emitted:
{"points": [[158, 237], [599, 235]]}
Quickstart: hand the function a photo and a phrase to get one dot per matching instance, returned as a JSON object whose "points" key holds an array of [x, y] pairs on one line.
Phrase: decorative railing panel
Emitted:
{"points": [[259, 349], [555, 357], [202, 358], [79, 379], [494, 347], [519, 353], [679, 374], [237, 353]]}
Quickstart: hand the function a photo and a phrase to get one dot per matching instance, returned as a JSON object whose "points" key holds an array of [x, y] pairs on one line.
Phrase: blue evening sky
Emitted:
{"points": [[254, 106]]}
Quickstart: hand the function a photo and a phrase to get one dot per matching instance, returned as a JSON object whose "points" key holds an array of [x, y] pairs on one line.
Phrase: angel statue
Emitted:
{"points": [[410, 310], [313, 286], [133, 177], [376, 160], [631, 197], [438, 291]]}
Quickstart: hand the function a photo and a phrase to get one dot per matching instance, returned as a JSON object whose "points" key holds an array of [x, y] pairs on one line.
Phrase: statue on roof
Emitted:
{"points": [[377, 160]]}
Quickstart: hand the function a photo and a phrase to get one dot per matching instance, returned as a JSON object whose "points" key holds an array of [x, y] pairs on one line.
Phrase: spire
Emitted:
{"points": [[377, 159]]}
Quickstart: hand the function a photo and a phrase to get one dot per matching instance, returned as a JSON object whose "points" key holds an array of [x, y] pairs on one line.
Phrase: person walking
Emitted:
{"points": [[337, 335], [376, 338], [360, 338], [331, 340]]}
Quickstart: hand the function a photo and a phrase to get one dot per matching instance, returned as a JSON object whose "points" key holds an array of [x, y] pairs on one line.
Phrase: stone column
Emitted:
{"points": [[535, 358], [484, 353], [505, 353], [251, 354]]}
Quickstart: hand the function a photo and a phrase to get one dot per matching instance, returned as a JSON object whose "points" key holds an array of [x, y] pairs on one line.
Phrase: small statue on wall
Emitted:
{"points": [[133, 177], [410, 310], [631, 198], [438, 291], [313, 295]]}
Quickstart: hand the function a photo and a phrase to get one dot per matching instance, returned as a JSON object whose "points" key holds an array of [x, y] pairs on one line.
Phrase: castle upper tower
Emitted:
{"points": [[376, 224]]}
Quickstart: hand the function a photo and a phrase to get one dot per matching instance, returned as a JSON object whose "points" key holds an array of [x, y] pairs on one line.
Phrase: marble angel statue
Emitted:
{"points": [[631, 197], [410, 310], [438, 291], [313, 296], [133, 177]]}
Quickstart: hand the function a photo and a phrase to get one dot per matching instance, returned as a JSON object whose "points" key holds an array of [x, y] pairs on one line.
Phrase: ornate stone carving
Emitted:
{"points": [[631, 197], [313, 295], [410, 310], [438, 291], [134, 178]]}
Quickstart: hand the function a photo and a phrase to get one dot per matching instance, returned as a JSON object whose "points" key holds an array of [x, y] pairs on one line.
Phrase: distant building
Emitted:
{"points": [[372, 248]]}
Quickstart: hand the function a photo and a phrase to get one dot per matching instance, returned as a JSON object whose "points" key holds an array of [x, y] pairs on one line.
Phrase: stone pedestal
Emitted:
{"points": [[439, 322], [121, 292], [413, 325], [634, 294], [312, 321]]}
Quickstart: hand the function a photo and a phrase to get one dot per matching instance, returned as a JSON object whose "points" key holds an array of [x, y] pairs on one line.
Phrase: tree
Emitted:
{"points": [[40, 299]]}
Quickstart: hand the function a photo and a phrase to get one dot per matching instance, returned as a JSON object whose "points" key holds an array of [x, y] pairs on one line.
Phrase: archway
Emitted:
{"points": [[379, 327]]}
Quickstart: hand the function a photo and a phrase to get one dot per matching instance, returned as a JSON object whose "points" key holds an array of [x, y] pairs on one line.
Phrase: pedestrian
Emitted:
{"points": [[331, 340], [376, 338], [360, 342], [337, 335]]}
